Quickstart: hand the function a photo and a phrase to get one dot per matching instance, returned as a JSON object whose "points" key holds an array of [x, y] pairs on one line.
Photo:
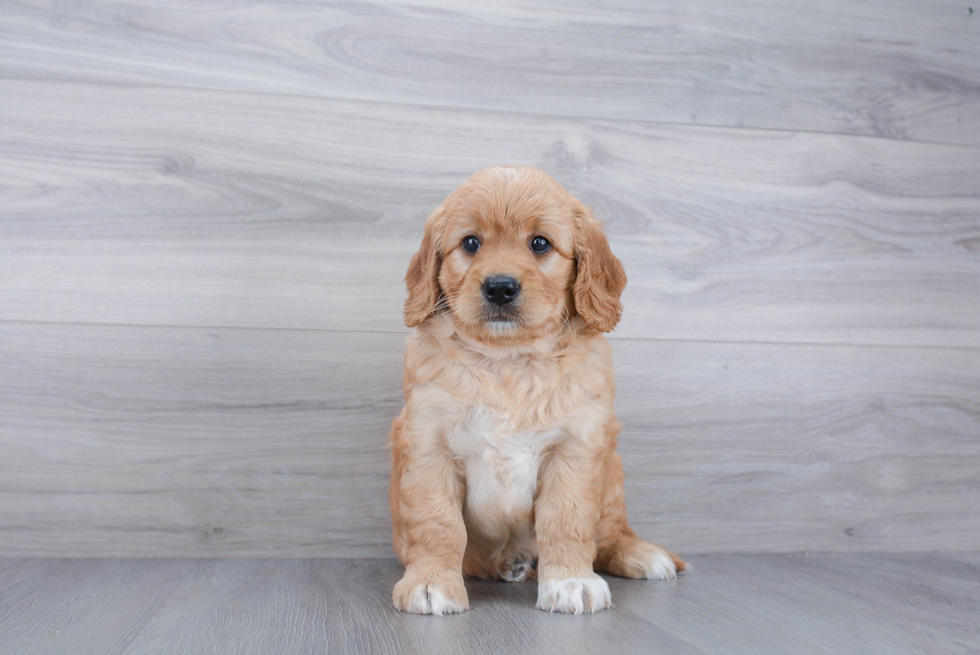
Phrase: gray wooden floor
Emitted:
{"points": [[207, 208], [867, 604]]}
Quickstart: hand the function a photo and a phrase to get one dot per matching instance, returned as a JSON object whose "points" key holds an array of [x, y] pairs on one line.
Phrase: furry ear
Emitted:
{"points": [[599, 279], [422, 278]]}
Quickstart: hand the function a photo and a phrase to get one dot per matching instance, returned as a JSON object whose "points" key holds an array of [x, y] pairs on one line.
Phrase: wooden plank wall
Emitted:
{"points": [[206, 210]]}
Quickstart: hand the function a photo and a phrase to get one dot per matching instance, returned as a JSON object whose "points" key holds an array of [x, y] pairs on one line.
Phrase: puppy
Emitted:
{"points": [[504, 456]]}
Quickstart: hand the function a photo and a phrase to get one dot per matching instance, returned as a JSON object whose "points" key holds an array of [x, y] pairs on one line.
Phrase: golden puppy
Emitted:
{"points": [[504, 457]]}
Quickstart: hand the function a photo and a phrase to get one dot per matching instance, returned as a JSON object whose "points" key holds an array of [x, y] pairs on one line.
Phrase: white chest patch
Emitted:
{"points": [[501, 467]]}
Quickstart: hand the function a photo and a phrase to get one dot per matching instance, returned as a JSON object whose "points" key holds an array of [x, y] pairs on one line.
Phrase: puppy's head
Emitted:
{"points": [[511, 255]]}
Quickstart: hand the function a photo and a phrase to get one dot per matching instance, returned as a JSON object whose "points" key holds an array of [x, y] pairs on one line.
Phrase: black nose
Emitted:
{"points": [[500, 290]]}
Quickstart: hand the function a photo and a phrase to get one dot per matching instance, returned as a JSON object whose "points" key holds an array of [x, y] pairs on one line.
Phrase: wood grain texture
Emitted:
{"points": [[179, 442], [908, 69], [842, 604], [207, 208], [150, 442], [183, 207]]}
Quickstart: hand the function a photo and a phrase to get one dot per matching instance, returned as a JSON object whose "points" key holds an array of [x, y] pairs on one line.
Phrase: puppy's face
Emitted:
{"points": [[511, 255], [508, 260]]}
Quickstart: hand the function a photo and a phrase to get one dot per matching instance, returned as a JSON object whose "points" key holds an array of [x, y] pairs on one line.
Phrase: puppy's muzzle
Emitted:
{"points": [[501, 290]]}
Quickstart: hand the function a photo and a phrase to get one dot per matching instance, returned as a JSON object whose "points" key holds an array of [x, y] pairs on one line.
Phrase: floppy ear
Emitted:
{"points": [[599, 278], [422, 278]]}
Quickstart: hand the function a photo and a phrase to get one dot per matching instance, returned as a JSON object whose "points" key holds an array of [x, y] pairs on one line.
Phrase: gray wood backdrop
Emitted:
{"points": [[207, 208]]}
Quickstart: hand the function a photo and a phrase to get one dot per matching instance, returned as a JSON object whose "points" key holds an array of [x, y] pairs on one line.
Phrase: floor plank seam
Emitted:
{"points": [[406, 333], [503, 112]]}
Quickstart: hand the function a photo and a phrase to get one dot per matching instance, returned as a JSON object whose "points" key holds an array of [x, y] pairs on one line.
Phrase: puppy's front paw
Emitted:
{"points": [[434, 593], [574, 595]]}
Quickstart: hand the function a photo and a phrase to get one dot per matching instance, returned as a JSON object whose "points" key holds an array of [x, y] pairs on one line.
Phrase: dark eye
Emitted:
{"points": [[540, 245], [471, 244]]}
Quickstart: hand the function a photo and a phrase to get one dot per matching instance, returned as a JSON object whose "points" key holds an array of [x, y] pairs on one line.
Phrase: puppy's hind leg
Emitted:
{"points": [[618, 550], [519, 569]]}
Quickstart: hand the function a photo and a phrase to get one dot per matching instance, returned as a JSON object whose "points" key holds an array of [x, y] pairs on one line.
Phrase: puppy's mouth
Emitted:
{"points": [[501, 320], [501, 327]]}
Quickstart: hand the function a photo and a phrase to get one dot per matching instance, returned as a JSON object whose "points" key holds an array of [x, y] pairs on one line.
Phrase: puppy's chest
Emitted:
{"points": [[501, 463]]}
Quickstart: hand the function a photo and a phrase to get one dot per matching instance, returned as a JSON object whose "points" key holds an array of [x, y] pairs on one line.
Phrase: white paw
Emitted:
{"points": [[429, 598], [657, 565], [574, 595]]}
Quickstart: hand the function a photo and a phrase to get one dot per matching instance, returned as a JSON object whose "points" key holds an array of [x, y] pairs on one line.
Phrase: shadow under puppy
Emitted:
{"points": [[504, 456]]}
